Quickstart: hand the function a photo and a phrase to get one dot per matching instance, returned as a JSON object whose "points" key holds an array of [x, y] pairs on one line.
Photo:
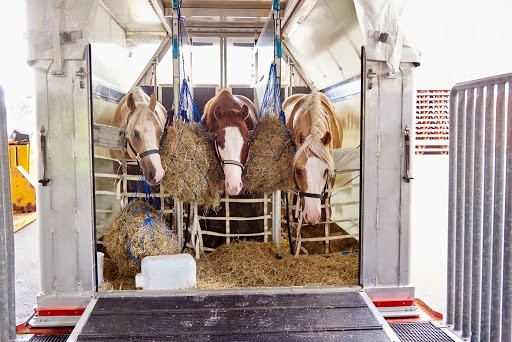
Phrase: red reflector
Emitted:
{"points": [[393, 303], [60, 311]]}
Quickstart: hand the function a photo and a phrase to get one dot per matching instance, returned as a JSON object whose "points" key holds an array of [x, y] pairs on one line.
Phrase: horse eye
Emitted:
{"points": [[298, 172], [326, 172], [136, 134]]}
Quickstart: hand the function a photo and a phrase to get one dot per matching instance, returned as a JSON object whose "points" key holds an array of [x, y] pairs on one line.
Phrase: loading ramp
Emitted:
{"points": [[242, 315]]}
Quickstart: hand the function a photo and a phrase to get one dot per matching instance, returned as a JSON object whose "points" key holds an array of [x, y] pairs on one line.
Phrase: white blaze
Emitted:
{"points": [[231, 151], [315, 169]]}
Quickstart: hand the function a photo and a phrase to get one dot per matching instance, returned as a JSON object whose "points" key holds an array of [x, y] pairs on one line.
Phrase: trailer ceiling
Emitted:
{"points": [[231, 17]]}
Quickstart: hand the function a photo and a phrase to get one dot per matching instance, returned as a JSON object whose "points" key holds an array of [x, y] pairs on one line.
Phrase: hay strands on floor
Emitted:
{"points": [[256, 264]]}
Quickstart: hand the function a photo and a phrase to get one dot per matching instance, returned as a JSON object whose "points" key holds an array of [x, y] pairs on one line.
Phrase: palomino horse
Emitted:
{"points": [[231, 117], [144, 118], [312, 120]]}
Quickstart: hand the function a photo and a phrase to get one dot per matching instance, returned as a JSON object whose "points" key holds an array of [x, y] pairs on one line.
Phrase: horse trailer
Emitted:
{"points": [[87, 55]]}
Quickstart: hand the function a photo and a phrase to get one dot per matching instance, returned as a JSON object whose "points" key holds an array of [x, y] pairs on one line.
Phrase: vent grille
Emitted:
{"points": [[419, 332], [432, 122], [49, 338]]}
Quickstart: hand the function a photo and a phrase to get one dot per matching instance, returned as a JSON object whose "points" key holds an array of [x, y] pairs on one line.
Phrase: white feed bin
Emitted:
{"points": [[167, 272]]}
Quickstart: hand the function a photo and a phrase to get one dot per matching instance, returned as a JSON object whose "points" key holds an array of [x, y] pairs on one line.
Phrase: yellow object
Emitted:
{"points": [[23, 190]]}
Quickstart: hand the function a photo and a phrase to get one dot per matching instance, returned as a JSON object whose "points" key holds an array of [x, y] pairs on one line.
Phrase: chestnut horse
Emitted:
{"points": [[312, 120], [144, 118], [231, 117]]}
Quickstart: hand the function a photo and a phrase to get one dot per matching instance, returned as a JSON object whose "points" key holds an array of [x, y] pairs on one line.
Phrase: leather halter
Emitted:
{"points": [[138, 157], [312, 195], [229, 161]]}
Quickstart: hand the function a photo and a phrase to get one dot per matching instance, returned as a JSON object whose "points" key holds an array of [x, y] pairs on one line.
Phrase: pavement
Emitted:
{"points": [[27, 270]]}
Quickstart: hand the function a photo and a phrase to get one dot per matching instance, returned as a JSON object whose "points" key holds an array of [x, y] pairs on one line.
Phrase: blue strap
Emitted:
{"points": [[187, 104]]}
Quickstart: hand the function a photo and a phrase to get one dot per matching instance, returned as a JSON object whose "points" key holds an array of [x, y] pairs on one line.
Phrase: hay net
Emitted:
{"points": [[269, 166], [139, 230], [192, 171]]}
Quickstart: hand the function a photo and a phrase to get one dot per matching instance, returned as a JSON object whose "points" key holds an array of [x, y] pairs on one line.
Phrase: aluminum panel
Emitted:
{"points": [[386, 196], [135, 15], [325, 39]]}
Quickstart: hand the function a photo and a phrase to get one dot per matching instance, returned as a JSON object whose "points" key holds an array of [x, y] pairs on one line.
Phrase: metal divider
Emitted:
{"points": [[479, 302], [7, 297]]}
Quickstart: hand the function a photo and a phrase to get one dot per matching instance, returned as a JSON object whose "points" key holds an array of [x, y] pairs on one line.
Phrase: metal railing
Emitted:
{"points": [[480, 209], [7, 298]]}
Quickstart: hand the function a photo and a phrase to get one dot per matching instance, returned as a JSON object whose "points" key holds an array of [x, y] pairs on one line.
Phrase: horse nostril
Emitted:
{"points": [[151, 175]]}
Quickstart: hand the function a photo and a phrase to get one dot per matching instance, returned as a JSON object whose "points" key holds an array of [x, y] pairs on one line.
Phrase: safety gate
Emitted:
{"points": [[480, 209]]}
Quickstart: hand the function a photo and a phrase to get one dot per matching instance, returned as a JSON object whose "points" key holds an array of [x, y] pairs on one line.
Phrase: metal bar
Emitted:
{"points": [[468, 211], [276, 218], [7, 283], [459, 229], [484, 82], [487, 214], [506, 318], [477, 216], [497, 236], [452, 211]]}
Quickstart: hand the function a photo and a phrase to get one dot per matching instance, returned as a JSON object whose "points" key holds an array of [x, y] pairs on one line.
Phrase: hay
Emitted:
{"points": [[270, 163], [122, 283], [254, 264], [193, 174], [133, 235], [110, 271]]}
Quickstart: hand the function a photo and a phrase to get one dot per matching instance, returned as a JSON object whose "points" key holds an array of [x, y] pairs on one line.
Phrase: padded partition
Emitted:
{"points": [[202, 95], [167, 96], [247, 92]]}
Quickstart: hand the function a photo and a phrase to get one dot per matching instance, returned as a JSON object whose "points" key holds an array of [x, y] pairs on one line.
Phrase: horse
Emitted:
{"points": [[230, 118], [144, 119], [312, 121]]}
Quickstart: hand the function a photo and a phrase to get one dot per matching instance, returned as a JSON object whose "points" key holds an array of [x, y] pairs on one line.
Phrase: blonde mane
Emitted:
{"points": [[313, 147], [319, 119]]}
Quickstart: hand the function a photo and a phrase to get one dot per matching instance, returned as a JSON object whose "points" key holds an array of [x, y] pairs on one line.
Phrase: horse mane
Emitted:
{"points": [[313, 146], [318, 116]]}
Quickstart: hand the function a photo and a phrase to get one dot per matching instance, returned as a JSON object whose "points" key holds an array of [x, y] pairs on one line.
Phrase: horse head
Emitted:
{"points": [[232, 145], [143, 131], [313, 169]]}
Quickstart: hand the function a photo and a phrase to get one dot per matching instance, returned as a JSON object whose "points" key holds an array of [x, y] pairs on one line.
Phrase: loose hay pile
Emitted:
{"points": [[193, 173], [136, 233], [270, 163], [254, 264]]}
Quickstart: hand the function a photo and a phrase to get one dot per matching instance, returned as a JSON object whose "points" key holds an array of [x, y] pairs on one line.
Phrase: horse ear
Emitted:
{"points": [[152, 102], [326, 139], [217, 113], [130, 102], [244, 112], [299, 139]]}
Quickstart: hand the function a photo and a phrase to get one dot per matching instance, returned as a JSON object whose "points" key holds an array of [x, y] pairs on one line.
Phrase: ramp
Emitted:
{"points": [[242, 316]]}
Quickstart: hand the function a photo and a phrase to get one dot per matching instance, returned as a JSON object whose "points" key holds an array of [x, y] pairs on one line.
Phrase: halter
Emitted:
{"points": [[321, 195], [230, 161]]}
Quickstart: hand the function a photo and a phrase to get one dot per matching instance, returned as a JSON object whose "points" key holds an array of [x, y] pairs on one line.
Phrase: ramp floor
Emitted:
{"points": [[341, 316]]}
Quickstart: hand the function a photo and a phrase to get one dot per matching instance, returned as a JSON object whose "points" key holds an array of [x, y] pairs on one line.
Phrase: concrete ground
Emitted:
{"points": [[26, 255]]}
